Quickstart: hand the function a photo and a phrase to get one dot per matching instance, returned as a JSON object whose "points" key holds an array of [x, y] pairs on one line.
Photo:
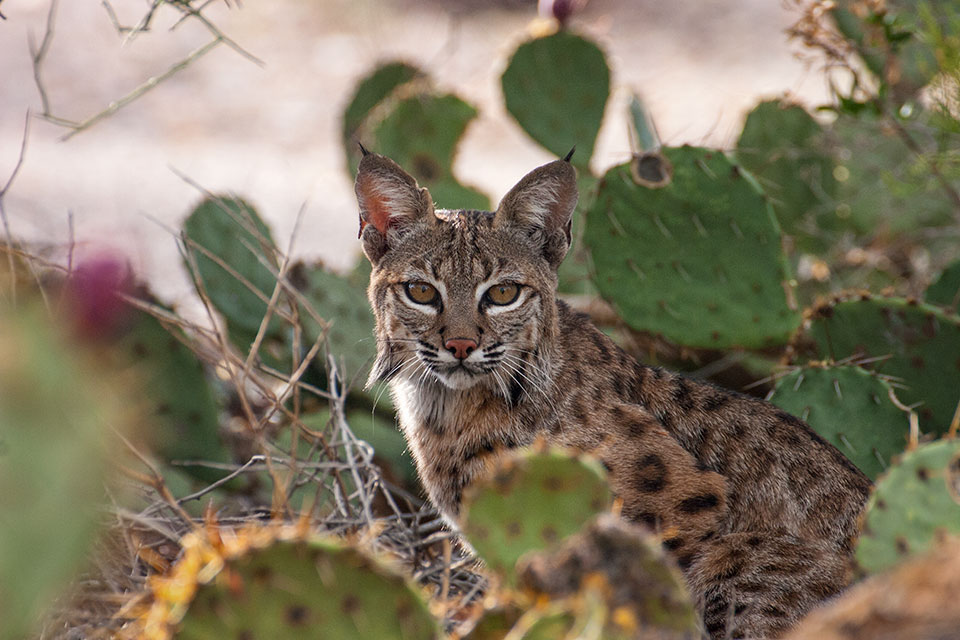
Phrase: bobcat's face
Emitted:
{"points": [[463, 297], [464, 303]]}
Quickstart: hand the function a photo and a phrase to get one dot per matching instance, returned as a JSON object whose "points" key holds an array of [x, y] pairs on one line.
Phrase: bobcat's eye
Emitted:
{"points": [[421, 292], [503, 293]]}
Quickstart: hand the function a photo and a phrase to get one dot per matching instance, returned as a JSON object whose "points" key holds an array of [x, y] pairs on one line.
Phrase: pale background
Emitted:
{"points": [[272, 134]]}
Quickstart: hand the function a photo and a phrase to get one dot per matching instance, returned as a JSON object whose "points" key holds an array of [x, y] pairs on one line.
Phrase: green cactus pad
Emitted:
{"points": [[922, 343], [573, 276], [556, 87], [916, 498], [699, 261], [421, 134], [181, 402], [531, 501], [345, 307], [782, 146], [55, 412], [309, 590], [539, 623], [231, 230], [638, 579], [849, 407], [370, 92], [945, 291]]}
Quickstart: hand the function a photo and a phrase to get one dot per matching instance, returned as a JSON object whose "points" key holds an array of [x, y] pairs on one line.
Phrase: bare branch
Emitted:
{"points": [[113, 107], [39, 54]]}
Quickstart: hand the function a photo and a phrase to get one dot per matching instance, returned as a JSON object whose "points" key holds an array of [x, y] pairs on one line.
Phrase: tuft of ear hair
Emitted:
{"points": [[389, 199], [543, 201]]}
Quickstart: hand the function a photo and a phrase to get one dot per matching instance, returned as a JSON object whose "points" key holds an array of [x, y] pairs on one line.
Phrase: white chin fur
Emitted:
{"points": [[458, 379]]}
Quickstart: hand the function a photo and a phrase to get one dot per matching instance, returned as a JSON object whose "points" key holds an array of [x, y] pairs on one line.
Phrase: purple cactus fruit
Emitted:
{"points": [[93, 292], [559, 9]]}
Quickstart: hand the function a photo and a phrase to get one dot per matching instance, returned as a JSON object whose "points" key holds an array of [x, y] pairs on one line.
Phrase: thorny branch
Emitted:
{"points": [[39, 56]]}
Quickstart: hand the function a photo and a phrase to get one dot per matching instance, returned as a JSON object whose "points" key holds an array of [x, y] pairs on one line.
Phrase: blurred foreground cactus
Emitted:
{"points": [[56, 410], [268, 581]]}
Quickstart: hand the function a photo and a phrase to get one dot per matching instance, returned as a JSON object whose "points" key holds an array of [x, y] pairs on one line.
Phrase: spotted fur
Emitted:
{"points": [[759, 511]]}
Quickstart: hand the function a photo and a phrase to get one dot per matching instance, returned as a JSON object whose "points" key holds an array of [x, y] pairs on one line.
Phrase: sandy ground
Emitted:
{"points": [[271, 133]]}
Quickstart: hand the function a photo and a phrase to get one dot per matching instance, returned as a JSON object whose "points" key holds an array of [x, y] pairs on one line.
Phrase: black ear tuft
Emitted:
{"points": [[364, 151], [566, 158]]}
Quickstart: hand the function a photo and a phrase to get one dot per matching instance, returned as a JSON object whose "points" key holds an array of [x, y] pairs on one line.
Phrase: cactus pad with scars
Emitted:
{"points": [[233, 232], [531, 501], [917, 343], [849, 407], [698, 261], [556, 87], [303, 589], [917, 498]]}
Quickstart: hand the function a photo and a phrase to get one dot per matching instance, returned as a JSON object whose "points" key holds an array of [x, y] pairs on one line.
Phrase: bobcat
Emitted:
{"points": [[759, 512]]}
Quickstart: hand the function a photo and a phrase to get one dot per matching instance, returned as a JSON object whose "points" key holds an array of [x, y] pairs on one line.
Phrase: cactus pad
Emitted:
{"points": [[421, 134], [345, 307], [277, 588], [233, 232], [850, 408], [531, 501], [698, 261], [639, 585], [918, 497], [782, 146], [556, 87], [370, 92], [180, 398], [922, 343], [945, 291], [54, 413]]}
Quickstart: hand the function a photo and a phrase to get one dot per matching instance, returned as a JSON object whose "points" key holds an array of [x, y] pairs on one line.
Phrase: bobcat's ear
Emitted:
{"points": [[542, 203], [389, 200]]}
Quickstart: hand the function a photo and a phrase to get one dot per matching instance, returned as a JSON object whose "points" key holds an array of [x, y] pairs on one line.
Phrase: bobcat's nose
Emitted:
{"points": [[461, 348]]}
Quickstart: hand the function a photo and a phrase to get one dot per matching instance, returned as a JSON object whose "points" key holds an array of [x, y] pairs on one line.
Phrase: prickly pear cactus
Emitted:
{"points": [[556, 87], [783, 147], [945, 291], [345, 307], [180, 400], [54, 412], [918, 497], [235, 245], [540, 622], [698, 261], [531, 501], [370, 92], [915, 343], [264, 582], [638, 585], [849, 407], [421, 134]]}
